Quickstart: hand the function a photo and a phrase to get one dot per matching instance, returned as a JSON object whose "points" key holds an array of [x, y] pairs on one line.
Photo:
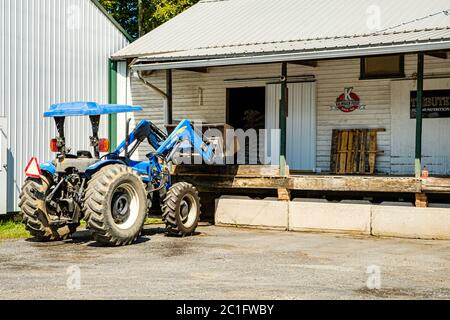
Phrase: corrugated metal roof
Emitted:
{"points": [[233, 28]]}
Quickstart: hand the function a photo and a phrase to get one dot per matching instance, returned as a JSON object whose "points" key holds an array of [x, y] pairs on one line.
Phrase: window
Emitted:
{"points": [[383, 67]]}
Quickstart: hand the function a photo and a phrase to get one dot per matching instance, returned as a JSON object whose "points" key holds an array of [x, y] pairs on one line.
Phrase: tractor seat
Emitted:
{"points": [[84, 154]]}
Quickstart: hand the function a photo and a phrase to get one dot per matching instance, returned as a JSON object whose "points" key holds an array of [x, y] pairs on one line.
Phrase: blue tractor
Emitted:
{"points": [[109, 190]]}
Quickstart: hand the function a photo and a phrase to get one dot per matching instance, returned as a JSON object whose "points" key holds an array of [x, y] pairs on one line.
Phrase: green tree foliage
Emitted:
{"points": [[167, 9], [125, 12], [154, 12]]}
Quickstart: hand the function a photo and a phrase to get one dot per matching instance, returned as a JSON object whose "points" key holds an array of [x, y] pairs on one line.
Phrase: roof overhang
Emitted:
{"points": [[147, 63]]}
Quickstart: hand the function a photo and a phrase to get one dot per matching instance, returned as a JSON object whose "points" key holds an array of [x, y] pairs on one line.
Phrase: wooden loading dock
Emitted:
{"points": [[261, 178]]}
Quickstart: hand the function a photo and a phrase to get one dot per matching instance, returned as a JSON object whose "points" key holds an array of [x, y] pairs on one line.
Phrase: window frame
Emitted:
{"points": [[364, 76]]}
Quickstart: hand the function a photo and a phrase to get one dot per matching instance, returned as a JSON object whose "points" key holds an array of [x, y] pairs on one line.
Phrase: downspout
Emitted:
{"points": [[161, 93], [151, 86]]}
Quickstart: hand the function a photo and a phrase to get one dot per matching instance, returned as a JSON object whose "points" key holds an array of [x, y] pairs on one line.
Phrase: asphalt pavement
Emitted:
{"points": [[227, 263]]}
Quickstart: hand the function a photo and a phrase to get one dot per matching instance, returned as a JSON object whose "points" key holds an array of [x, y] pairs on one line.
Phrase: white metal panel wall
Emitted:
{"points": [[51, 51], [301, 126], [273, 96], [3, 164], [122, 98]]}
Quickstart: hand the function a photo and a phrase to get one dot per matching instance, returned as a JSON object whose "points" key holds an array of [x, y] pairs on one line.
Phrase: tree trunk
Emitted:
{"points": [[140, 18]]}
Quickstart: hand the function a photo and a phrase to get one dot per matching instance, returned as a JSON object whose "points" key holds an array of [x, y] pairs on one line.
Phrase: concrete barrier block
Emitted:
{"points": [[329, 217], [269, 214], [315, 200], [355, 202], [397, 204], [404, 222], [439, 205]]}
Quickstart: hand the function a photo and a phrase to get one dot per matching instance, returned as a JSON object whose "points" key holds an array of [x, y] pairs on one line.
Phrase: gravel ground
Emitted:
{"points": [[226, 263]]}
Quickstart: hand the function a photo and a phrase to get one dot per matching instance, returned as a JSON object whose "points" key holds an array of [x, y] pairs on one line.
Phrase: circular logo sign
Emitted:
{"points": [[348, 101]]}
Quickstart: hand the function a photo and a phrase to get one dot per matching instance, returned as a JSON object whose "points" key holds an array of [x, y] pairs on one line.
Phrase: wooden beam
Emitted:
{"points": [[355, 184], [228, 170], [218, 178], [421, 200], [306, 63], [208, 183], [436, 185], [437, 54], [418, 160], [284, 194], [200, 70]]}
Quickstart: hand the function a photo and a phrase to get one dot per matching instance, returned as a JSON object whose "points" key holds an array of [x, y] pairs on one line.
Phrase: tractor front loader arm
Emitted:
{"points": [[185, 132], [144, 130]]}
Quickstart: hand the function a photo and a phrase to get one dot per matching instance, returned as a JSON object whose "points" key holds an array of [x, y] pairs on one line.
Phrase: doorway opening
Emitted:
{"points": [[246, 109]]}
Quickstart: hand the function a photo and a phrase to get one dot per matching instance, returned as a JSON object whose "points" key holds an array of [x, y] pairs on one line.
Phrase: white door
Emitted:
{"points": [[3, 163], [301, 124]]}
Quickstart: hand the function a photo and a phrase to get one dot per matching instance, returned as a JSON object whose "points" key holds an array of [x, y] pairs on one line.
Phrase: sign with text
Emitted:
{"points": [[436, 104], [348, 101]]}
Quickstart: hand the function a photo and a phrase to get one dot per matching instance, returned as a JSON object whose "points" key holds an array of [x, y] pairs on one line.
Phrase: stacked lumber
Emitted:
{"points": [[354, 151]]}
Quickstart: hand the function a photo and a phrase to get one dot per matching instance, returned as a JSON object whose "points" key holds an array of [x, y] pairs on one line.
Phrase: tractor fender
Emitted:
{"points": [[48, 167], [98, 165]]}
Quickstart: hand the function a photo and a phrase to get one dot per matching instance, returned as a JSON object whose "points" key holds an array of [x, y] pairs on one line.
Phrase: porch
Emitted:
{"points": [[267, 181], [379, 109]]}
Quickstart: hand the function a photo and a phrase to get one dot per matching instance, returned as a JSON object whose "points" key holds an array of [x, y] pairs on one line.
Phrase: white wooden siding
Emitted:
{"points": [[435, 137], [332, 76]]}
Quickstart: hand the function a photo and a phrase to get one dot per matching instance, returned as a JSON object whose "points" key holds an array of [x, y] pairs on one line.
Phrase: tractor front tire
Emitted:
{"points": [[181, 209], [35, 212], [115, 205]]}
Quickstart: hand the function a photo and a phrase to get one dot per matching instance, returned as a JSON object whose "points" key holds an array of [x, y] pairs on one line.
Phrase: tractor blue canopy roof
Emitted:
{"points": [[72, 109]]}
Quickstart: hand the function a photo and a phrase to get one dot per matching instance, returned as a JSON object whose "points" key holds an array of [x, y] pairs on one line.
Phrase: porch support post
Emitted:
{"points": [[418, 161], [169, 93], [283, 116]]}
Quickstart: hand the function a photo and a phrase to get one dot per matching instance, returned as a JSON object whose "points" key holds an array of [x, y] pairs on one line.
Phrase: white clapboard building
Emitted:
{"points": [[219, 59]]}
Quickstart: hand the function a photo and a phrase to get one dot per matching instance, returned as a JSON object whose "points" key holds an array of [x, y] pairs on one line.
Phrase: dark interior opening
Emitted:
{"points": [[246, 109]]}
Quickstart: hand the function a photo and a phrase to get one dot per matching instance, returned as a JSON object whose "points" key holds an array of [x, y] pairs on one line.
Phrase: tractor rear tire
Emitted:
{"points": [[34, 212], [115, 205], [181, 209]]}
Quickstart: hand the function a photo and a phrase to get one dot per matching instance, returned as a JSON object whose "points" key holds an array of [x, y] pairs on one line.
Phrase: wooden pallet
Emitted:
{"points": [[354, 151]]}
